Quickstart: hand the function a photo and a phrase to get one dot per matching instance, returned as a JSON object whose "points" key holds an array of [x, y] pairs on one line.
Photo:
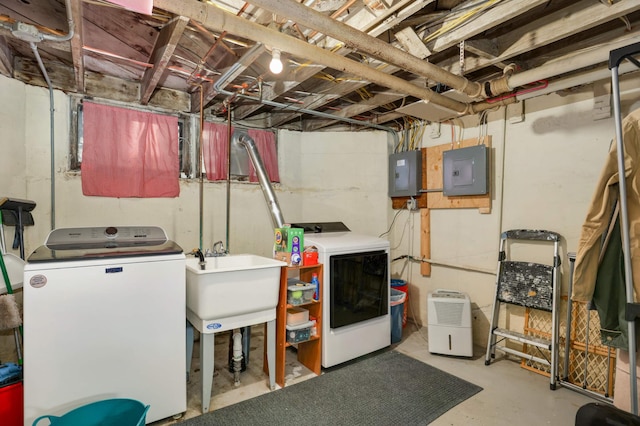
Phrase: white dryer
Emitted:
{"points": [[355, 310], [104, 317]]}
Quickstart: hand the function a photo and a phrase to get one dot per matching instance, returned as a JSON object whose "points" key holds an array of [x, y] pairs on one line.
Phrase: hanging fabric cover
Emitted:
{"points": [[129, 153], [601, 265]]}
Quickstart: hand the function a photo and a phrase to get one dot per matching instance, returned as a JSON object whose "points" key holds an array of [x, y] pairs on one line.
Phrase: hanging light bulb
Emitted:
{"points": [[276, 64]]}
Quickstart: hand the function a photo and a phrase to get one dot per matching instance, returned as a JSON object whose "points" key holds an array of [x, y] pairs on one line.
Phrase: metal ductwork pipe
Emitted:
{"points": [[270, 196], [218, 19], [375, 47]]}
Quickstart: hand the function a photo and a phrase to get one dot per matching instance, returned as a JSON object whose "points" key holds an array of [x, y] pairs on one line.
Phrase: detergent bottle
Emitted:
{"points": [[316, 283]]}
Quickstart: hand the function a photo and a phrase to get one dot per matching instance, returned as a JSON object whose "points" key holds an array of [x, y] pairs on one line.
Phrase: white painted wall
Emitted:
{"points": [[329, 177], [544, 171]]}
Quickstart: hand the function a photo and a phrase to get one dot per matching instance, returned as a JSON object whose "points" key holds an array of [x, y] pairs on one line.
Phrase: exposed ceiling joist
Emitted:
{"points": [[77, 43], [163, 50], [132, 57], [6, 59]]}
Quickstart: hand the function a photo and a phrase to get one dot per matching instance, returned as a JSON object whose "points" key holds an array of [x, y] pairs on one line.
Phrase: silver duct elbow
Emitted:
{"points": [[272, 202]]}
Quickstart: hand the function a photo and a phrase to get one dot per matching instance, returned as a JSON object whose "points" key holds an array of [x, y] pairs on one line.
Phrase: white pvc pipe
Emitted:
{"points": [[237, 355]]}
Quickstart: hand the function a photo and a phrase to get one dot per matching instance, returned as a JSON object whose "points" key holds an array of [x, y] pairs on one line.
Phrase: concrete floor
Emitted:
{"points": [[511, 395]]}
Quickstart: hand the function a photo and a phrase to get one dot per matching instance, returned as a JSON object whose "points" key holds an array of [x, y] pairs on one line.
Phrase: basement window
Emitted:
{"points": [[188, 138], [77, 141]]}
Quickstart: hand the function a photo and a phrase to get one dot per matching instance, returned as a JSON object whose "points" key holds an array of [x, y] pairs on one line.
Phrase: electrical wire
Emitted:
{"points": [[392, 222], [467, 16]]}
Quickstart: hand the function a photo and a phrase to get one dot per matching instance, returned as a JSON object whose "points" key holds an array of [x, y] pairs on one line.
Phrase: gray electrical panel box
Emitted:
{"points": [[465, 171], [405, 174]]}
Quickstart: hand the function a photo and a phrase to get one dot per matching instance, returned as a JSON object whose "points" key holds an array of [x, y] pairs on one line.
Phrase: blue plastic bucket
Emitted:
{"points": [[108, 412]]}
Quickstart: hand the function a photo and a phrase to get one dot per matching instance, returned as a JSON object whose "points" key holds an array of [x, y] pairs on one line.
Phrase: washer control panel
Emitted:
{"points": [[105, 237]]}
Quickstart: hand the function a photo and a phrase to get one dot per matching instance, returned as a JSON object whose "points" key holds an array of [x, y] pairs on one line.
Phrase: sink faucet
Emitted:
{"points": [[198, 253], [218, 249]]}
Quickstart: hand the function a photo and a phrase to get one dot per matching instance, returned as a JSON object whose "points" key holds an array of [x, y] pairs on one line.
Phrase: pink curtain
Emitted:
{"points": [[128, 153], [214, 150], [266, 144], [214, 138]]}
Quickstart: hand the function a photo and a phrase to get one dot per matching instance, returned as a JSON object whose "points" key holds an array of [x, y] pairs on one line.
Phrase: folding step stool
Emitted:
{"points": [[531, 285]]}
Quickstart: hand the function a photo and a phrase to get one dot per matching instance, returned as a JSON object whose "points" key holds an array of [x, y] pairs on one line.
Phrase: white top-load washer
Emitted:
{"points": [[356, 313], [104, 317]]}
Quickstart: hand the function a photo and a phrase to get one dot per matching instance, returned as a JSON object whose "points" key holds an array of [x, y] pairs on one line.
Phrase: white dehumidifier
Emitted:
{"points": [[449, 322]]}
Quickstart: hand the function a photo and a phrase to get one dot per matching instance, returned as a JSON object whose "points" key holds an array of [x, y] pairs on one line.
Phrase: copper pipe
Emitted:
{"points": [[221, 37]]}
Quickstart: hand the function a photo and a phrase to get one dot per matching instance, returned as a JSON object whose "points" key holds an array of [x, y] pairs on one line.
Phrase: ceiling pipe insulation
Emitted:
{"points": [[373, 46], [577, 60], [219, 20]]}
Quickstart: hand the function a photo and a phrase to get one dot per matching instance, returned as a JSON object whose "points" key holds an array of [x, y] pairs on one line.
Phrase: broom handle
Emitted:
{"points": [[5, 275], [3, 248]]}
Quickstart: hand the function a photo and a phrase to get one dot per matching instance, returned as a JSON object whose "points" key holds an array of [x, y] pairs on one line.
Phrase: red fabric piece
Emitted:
{"points": [[215, 148], [128, 153], [266, 145]]}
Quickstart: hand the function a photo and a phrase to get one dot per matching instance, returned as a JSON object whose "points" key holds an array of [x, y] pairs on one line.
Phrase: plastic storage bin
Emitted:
{"points": [[297, 316], [108, 412], [397, 309], [299, 333], [11, 403], [300, 293]]}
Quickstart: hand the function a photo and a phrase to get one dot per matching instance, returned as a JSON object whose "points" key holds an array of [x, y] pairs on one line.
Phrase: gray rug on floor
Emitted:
{"points": [[384, 389]]}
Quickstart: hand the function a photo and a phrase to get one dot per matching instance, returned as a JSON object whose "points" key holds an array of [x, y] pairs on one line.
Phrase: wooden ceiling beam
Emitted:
{"points": [[162, 52], [6, 59], [98, 85], [76, 44], [353, 110], [484, 21], [490, 54], [374, 25], [578, 17], [553, 27]]}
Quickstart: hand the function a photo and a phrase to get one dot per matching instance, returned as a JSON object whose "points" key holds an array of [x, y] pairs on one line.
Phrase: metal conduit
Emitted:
{"points": [[34, 48]]}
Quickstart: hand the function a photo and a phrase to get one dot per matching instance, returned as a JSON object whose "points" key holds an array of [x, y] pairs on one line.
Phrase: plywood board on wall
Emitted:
{"points": [[437, 200]]}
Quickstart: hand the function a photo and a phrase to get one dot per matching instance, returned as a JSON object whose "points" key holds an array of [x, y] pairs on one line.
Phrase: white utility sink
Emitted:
{"points": [[15, 270], [232, 289]]}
